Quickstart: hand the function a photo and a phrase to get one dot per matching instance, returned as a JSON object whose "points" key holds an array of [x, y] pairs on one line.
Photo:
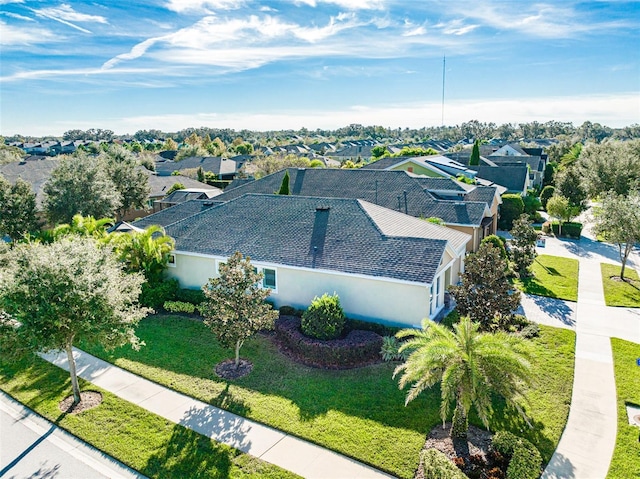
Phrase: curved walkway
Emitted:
{"points": [[587, 443], [296, 455]]}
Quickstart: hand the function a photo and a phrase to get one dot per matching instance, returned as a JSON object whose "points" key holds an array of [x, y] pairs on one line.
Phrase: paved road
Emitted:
{"points": [[32, 447]]}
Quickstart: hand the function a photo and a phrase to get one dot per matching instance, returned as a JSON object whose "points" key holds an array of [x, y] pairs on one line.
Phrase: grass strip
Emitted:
{"points": [[620, 293], [144, 441], [626, 455]]}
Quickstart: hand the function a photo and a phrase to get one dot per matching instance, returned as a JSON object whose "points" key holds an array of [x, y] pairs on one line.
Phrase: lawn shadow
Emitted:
{"points": [[191, 452]]}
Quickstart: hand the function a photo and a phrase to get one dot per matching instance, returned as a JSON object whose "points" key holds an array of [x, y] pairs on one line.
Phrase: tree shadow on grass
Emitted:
{"points": [[199, 445]]}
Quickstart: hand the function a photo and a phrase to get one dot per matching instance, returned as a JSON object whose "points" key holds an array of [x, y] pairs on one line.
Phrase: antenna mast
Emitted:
{"points": [[444, 62]]}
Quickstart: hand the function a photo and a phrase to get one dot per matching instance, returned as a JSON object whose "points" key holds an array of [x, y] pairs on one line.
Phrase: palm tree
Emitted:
{"points": [[470, 366], [146, 251], [85, 226]]}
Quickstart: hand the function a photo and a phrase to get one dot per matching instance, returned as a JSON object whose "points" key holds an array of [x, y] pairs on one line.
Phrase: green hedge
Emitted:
{"points": [[324, 319], [358, 348], [525, 459], [193, 296], [154, 295], [569, 229], [179, 307]]}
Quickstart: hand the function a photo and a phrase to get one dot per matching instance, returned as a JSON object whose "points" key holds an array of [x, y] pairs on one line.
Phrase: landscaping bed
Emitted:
{"points": [[358, 412]]}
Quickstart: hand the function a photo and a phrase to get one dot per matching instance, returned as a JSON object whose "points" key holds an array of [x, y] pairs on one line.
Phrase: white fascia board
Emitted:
{"points": [[311, 270]]}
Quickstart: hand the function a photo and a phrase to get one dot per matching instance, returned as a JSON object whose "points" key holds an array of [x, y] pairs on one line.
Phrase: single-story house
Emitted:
{"points": [[223, 168], [392, 189], [186, 194], [386, 266]]}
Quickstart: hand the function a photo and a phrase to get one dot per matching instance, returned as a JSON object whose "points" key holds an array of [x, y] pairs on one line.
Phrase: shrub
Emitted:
{"points": [[381, 329], [530, 331], [290, 311], [438, 466], [511, 208], [193, 296], [179, 307], [154, 295], [547, 192], [324, 319], [316, 164], [389, 350], [525, 459], [358, 348], [498, 242], [569, 229]]}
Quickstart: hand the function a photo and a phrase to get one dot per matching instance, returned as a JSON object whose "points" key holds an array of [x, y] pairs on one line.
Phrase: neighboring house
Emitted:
{"points": [[159, 185], [187, 194], [434, 165], [176, 213], [223, 168], [385, 266], [395, 190], [35, 170], [514, 177]]}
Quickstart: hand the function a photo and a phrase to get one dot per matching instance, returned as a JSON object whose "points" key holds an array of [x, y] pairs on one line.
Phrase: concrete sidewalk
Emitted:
{"points": [[296, 455], [32, 447], [587, 443]]}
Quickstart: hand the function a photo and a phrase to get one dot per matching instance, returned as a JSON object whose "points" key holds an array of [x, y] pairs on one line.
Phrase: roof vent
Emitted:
{"points": [[208, 203], [323, 208]]}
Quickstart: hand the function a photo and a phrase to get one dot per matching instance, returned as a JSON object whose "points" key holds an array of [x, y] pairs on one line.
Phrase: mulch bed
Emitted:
{"points": [[475, 458], [88, 400], [227, 369]]}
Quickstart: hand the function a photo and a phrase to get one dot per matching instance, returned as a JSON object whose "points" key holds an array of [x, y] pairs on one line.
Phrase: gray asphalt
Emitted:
{"points": [[32, 447]]}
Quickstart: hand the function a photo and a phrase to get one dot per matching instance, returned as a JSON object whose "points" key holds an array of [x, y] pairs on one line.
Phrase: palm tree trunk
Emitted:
{"points": [[460, 422], [72, 371]]}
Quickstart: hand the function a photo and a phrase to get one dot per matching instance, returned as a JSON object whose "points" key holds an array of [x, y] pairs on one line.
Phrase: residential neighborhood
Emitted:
{"points": [[320, 239]]}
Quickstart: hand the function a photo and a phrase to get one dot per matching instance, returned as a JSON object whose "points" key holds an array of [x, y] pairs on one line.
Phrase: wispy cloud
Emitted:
{"points": [[203, 6], [66, 15], [455, 27], [17, 16], [544, 20], [13, 36], [348, 4]]}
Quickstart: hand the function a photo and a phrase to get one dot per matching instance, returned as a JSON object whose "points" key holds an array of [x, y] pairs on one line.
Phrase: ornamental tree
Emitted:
{"points": [[474, 160], [17, 209], [523, 245], [485, 293], [618, 220], [68, 291], [235, 307]]}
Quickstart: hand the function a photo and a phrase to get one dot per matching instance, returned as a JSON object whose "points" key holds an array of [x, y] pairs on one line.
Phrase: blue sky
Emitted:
{"points": [[263, 65]]}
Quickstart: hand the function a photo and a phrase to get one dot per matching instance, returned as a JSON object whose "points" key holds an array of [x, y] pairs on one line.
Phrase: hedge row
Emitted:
{"points": [[525, 459], [570, 230], [357, 348]]}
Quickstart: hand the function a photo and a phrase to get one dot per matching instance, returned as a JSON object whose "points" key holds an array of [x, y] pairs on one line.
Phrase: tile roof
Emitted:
{"points": [[318, 233], [175, 213], [395, 190]]}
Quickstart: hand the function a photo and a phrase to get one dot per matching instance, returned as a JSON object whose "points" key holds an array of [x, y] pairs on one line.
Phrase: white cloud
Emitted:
{"points": [[13, 36], [203, 6], [456, 27], [542, 20], [17, 16], [6, 2], [66, 15]]}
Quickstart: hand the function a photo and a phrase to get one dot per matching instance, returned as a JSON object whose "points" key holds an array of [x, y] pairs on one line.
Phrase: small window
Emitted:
{"points": [[172, 261], [269, 279]]}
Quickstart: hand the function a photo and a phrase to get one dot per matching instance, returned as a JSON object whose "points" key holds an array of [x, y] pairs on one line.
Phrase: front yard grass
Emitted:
{"points": [[359, 413], [626, 455], [144, 441], [553, 276], [620, 293]]}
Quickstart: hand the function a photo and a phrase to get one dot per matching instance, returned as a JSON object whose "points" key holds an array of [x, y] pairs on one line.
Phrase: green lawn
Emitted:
{"points": [[359, 413], [619, 293], [146, 442], [553, 276], [626, 456]]}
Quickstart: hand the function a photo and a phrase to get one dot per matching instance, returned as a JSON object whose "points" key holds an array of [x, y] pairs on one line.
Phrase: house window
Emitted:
{"points": [[269, 279], [172, 261]]}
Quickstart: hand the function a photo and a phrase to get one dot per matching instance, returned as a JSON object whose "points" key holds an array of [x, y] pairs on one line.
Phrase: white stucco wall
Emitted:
{"points": [[378, 300]]}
